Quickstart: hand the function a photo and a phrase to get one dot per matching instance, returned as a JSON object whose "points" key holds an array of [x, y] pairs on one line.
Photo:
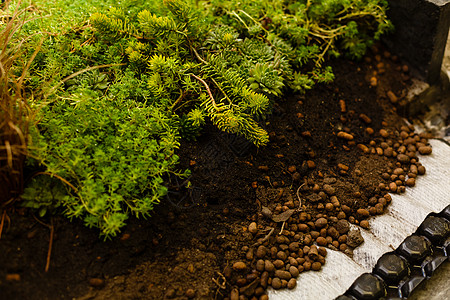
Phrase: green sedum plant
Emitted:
{"points": [[121, 88]]}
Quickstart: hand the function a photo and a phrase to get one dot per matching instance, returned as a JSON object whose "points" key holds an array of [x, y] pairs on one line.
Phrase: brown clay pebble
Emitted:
{"points": [[190, 293], [276, 283], [311, 164], [410, 182], [15, 277], [96, 282], [261, 251], [234, 295], [403, 158], [321, 222], [313, 252], [329, 206], [363, 148], [260, 265], [282, 255], [252, 228], [292, 283], [303, 227], [239, 266], [263, 282], [294, 246], [294, 271], [342, 226], [365, 118], [249, 254], [345, 135], [341, 215], [421, 170], [425, 150], [283, 274], [269, 266], [392, 97], [379, 207], [321, 241], [384, 133], [278, 264], [346, 209], [363, 213], [399, 171], [329, 189], [393, 187], [307, 240], [342, 167], [316, 266], [388, 152], [364, 224], [342, 239], [332, 231]]}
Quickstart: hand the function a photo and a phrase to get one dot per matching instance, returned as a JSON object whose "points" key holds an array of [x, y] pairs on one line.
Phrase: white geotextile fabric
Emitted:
{"points": [[404, 215]]}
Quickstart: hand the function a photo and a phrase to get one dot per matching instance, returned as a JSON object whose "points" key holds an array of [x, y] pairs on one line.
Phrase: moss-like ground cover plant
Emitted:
{"points": [[117, 90]]}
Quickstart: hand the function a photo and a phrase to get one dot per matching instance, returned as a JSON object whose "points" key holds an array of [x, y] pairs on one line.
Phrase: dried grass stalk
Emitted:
{"points": [[15, 113]]}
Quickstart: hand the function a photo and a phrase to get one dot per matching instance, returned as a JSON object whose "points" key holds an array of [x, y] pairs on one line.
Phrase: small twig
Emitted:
{"points": [[223, 92], [40, 222], [282, 227], [208, 90], [58, 177], [179, 99], [299, 199], [264, 239], [198, 56], [220, 285], [78, 73], [2, 223], [50, 244]]}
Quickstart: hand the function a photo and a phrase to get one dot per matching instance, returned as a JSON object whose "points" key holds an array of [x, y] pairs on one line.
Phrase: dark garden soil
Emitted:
{"points": [[249, 218]]}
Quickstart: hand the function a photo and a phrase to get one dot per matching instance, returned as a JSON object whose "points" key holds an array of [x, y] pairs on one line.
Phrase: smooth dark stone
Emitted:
{"points": [[414, 248], [435, 229], [368, 286], [391, 267], [446, 212]]}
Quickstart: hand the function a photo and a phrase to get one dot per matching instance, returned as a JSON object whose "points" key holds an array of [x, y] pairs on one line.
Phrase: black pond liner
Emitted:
{"points": [[398, 273]]}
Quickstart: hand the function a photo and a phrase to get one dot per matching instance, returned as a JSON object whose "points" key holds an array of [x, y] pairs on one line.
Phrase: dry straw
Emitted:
{"points": [[15, 113]]}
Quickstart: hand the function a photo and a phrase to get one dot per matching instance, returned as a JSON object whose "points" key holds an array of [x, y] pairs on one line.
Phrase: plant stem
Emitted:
{"points": [[208, 90], [2, 223], [50, 244], [78, 73]]}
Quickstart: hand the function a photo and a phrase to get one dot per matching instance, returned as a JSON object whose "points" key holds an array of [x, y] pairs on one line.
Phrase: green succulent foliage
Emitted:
{"points": [[94, 81], [44, 194], [164, 70], [263, 78]]}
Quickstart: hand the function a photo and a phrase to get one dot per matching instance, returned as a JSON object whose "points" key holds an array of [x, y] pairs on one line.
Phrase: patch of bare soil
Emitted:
{"points": [[249, 218]]}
